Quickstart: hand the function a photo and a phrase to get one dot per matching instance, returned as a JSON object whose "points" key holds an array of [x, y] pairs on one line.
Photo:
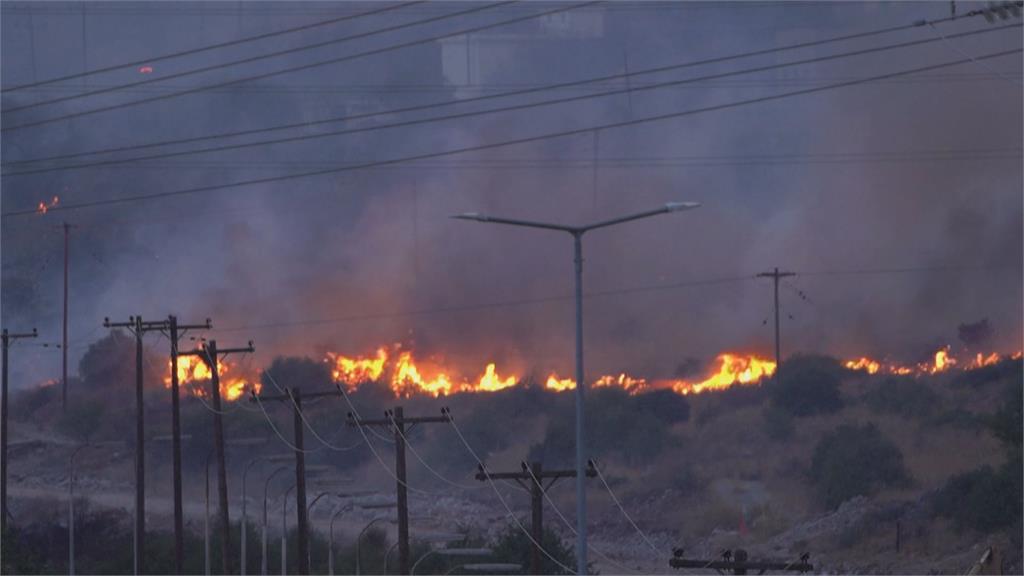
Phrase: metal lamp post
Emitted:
{"points": [[577, 233], [71, 497], [330, 537], [266, 487]]}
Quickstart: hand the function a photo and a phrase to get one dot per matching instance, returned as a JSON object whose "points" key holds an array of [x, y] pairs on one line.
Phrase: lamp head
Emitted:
{"points": [[680, 206]]}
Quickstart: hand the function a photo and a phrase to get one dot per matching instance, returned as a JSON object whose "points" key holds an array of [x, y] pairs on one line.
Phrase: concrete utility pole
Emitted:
{"points": [[294, 396], [7, 338], [738, 563], [577, 233], [775, 275], [532, 478], [139, 328], [211, 356], [398, 421]]}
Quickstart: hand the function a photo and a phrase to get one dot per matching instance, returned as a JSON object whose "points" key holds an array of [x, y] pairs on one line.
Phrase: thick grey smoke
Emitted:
{"points": [[859, 178]]}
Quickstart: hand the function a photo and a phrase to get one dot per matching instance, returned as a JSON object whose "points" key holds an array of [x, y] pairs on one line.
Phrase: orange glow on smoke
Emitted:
{"points": [[732, 369], [44, 207]]}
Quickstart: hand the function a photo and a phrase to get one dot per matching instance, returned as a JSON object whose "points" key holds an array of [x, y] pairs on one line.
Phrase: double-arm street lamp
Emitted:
{"points": [[577, 233]]}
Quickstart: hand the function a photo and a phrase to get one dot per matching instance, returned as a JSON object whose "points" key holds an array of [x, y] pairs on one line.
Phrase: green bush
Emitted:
{"points": [[905, 397], [854, 461], [807, 385]]}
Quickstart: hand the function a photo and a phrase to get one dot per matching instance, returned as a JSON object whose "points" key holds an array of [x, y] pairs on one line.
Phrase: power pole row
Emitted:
{"points": [[211, 355], [532, 477], [294, 396], [397, 421], [7, 339]]}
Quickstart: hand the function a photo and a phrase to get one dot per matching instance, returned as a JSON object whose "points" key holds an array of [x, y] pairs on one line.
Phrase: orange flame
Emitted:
{"points": [[628, 383], [491, 382], [406, 379], [358, 370], [863, 363], [44, 207], [559, 385], [193, 372], [733, 369]]}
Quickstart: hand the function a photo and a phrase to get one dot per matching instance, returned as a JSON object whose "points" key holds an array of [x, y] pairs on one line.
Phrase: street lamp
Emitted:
{"points": [[206, 517], [577, 233], [452, 552], [266, 487], [359, 537], [71, 497], [330, 537]]}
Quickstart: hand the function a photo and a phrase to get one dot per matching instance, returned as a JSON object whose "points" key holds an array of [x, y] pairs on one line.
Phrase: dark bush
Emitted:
{"points": [[778, 424], [854, 461], [983, 500], [807, 385], [905, 397], [513, 546], [82, 419], [957, 418], [1005, 370]]}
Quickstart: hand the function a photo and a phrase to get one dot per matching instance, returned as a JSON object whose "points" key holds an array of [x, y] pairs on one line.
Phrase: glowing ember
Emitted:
{"points": [[733, 369], [44, 207], [863, 363], [145, 69], [624, 381], [559, 385]]}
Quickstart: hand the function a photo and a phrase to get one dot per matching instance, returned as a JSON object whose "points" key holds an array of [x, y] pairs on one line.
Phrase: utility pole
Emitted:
{"points": [[532, 478], [775, 275], [64, 336], [397, 421], [210, 355], [294, 396], [7, 338], [738, 563], [137, 327]]}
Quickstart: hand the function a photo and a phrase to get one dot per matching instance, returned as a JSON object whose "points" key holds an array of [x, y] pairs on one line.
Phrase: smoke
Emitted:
{"points": [[852, 179]]}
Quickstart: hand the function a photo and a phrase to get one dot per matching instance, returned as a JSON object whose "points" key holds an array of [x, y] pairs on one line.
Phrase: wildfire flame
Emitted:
{"points": [[732, 369], [44, 207], [193, 373], [407, 375]]}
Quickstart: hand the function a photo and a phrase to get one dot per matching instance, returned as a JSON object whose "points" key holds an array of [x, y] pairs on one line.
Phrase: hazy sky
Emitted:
{"points": [[914, 172]]}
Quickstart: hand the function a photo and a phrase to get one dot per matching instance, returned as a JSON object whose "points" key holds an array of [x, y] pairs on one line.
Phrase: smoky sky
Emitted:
{"points": [[916, 172]]}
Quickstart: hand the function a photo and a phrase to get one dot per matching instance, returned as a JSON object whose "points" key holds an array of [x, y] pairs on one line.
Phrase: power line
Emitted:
{"points": [[518, 92], [201, 49], [251, 59], [298, 68], [517, 107], [504, 143]]}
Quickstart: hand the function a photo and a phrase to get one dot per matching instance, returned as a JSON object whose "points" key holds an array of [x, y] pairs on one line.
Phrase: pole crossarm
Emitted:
{"points": [[204, 352], [353, 421], [9, 336], [738, 563]]}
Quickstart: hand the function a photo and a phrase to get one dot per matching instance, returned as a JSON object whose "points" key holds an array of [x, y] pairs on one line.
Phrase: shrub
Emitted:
{"points": [[82, 419], [854, 461], [807, 385], [905, 397], [778, 424], [513, 546], [984, 499], [1007, 369]]}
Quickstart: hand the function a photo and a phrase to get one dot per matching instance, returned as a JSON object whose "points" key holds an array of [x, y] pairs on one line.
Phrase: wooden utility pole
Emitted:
{"points": [[397, 421], [7, 338], [64, 336], [739, 564], [532, 478], [137, 327], [294, 396], [210, 355], [775, 275]]}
